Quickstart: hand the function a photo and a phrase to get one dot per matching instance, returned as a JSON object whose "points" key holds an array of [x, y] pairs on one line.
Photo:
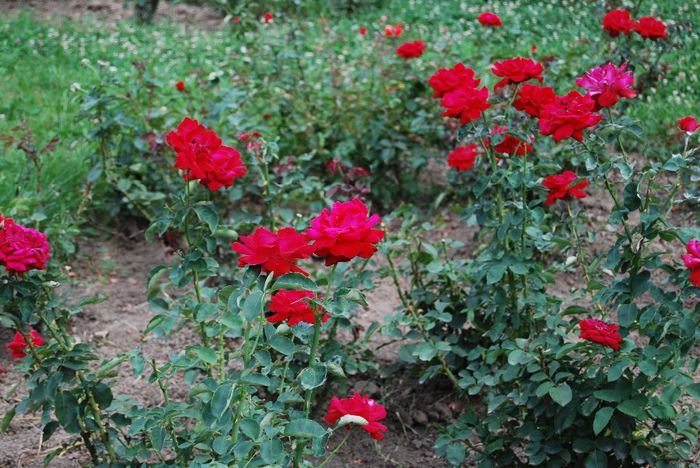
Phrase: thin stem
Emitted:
{"points": [[581, 256], [335, 451], [168, 419]]}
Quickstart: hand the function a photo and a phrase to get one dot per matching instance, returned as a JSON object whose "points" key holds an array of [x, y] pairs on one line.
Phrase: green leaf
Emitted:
{"points": [[271, 451], [221, 400], [294, 281], [693, 390], [7, 419], [648, 368], [207, 215], [66, 409], [253, 305], [617, 369], [304, 428], [312, 377], [633, 407], [455, 454], [627, 314], [561, 394], [251, 428], [602, 418], [205, 354], [282, 344]]}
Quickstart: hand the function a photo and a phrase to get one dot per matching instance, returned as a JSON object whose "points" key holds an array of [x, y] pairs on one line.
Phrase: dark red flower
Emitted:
{"points": [[276, 252], [345, 232], [393, 31], [268, 18], [180, 86], [516, 70], [650, 28], [292, 307], [466, 104], [18, 345], [236, 19], [567, 116], [510, 144], [202, 157], [490, 19], [532, 98], [409, 50], [462, 157], [607, 84], [363, 30], [597, 331], [447, 80], [688, 124], [616, 22], [361, 406], [692, 261], [21, 248], [560, 187], [267, 116]]}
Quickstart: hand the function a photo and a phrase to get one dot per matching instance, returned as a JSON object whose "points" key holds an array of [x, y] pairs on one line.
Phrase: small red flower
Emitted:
{"points": [[393, 31], [276, 252], [607, 84], [180, 85], [490, 19], [692, 261], [267, 116], [510, 144], [616, 22], [606, 334], [560, 187], [18, 345], [516, 70], [361, 406], [409, 50], [344, 232], [533, 48], [532, 98], [650, 28], [567, 116], [466, 104], [462, 157], [363, 30], [447, 80], [21, 248], [268, 18], [688, 124], [200, 154], [292, 307], [236, 19]]}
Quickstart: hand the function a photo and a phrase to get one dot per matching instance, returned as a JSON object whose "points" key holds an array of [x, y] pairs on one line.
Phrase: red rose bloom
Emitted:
{"points": [[236, 19], [692, 261], [606, 334], [200, 154], [409, 50], [650, 28], [393, 31], [363, 30], [532, 98], [616, 22], [276, 252], [462, 157], [607, 84], [559, 187], [567, 116], [268, 18], [291, 306], [490, 19], [466, 104], [21, 248], [18, 345], [180, 86], [447, 80], [516, 70], [688, 124], [345, 232], [510, 144], [361, 406]]}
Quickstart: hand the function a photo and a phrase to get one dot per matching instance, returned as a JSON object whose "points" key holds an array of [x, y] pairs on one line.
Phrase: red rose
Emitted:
{"points": [[345, 232], [200, 154], [409, 50], [236, 19], [18, 345], [393, 31], [291, 306], [268, 18], [447, 80], [567, 116], [267, 116], [21, 248], [688, 124], [560, 187], [180, 86], [510, 144], [363, 30], [692, 261], [490, 19], [650, 28], [607, 84], [462, 157], [531, 98], [465, 103], [618, 21], [516, 70], [275, 252], [361, 406], [606, 334]]}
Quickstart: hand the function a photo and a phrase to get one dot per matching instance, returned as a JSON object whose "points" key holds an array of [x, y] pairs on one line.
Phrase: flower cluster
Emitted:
{"points": [[18, 345], [393, 31], [409, 50], [616, 22], [567, 116], [462, 157], [21, 248]]}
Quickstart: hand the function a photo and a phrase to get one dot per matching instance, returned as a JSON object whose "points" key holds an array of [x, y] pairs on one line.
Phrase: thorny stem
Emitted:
{"points": [[169, 420], [335, 451], [581, 256]]}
